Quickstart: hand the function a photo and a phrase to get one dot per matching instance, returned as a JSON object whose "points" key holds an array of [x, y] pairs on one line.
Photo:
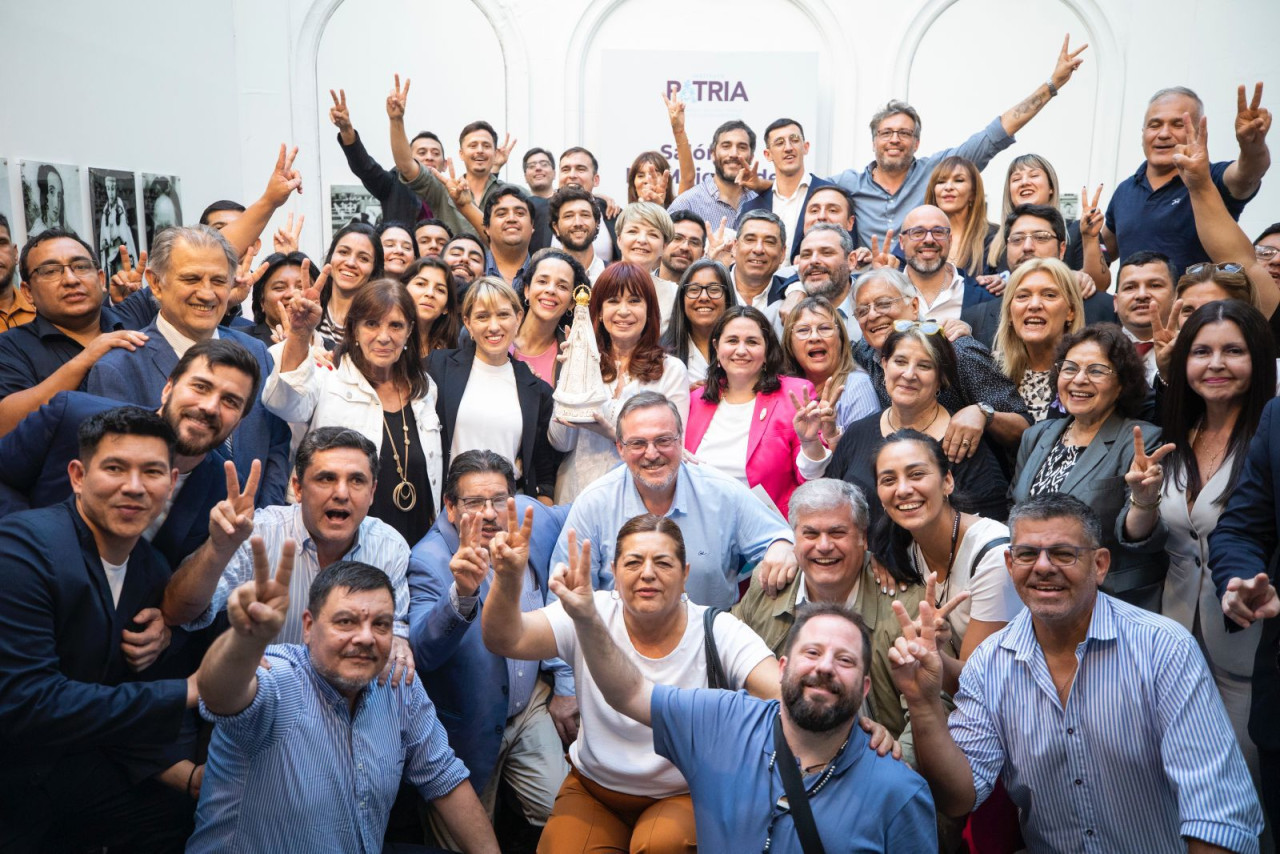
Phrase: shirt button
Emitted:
{"points": [[1071, 730], [497, 730], [1089, 832], [1079, 782]]}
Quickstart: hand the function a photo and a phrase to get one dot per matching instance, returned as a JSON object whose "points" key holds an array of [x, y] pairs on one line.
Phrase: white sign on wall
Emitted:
{"points": [[716, 86]]}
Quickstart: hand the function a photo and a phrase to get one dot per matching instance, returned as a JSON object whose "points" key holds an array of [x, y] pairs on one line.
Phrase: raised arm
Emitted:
{"points": [[1095, 266], [341, 117], [1244, 176], [684, 151], [401, 153], [246, 230], [508, 631], [1017, 116]]}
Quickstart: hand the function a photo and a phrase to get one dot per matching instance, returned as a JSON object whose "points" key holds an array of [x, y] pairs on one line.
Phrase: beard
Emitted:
{"points": [[811, 716], [927, 267], [192, 449], [835, 285], [568, 242]]}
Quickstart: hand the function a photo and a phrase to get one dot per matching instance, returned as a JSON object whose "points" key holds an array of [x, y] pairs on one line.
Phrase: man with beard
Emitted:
{"points": [[15, 308], [824, 267], [688, 245], [719, 196], [213, 385], [465, 255], [926, 241], [575, 221], [580, 168], [508, 221], [764, 773]]}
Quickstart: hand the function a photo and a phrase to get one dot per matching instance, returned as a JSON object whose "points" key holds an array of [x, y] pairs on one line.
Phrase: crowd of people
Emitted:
{"points": [[865, 548]]}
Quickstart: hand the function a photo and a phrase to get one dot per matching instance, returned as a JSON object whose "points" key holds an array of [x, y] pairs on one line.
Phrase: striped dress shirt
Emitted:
{"points": [[1142, 755], [297, 771]]}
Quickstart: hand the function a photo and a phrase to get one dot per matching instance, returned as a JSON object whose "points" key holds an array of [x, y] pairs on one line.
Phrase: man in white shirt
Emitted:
{"points": [[687, 246], [926, 242], [1144, 293], [757, 254]]}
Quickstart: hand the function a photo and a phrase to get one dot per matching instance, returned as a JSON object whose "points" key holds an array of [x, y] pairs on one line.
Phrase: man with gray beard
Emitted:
{"points": [[926, 242], [824, 265]]}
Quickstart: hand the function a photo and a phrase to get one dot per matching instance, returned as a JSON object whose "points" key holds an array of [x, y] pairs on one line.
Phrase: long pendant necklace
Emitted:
{"points": [[404, 496], [951, 559]]}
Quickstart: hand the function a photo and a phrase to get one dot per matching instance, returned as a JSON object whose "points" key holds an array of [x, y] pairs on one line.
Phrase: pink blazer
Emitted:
{"points": [[772, 444]]}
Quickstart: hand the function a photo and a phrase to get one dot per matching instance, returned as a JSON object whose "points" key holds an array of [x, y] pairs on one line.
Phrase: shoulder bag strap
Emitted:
{"points": [[982, 552], [797, 797], [716, 677]]}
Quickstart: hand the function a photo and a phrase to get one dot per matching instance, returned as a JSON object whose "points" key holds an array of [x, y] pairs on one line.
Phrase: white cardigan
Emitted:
{"points": [[343, 397]]}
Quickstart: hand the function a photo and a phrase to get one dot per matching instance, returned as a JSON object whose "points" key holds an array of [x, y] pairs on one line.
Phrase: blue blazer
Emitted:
{"points": [[139, 377], [764, 202], [468, 683], [34, 473]]}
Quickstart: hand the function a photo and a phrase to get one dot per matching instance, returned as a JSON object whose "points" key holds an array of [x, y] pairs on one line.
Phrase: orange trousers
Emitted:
{"points": [[590, 819]]}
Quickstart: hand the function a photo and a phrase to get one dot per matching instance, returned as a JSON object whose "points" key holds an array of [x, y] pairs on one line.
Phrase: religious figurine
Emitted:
{"points": [[579, 389]]}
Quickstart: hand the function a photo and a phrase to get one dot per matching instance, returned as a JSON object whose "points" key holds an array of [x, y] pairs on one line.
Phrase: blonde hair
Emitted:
{"points": [[488, 290], [966, 246], [1033, 161], [844, 361], [1010, 351], [650, 213]]}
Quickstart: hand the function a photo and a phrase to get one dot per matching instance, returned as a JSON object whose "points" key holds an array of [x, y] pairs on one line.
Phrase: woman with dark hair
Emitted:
{"points": [[1101, 384], [750, 422], [705, 292], [1222, 374], [816, 346], [353, 260], [955, 188], [377, 387], [399, 249], [429, 282], [649, 179], [278, 281], [551, 281], [624, 309]]}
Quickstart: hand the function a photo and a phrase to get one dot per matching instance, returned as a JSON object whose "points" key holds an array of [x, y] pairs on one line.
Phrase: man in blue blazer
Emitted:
{"points": [[785, 147], [925, 241], [206, 396], [191, 272], [500, 713], [88, 723]]}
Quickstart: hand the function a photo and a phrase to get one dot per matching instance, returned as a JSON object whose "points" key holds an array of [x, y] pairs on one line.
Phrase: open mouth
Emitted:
{"points": [[337, 514]]}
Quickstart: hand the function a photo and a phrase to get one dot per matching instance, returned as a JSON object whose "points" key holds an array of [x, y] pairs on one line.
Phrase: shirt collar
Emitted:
{"points": [[1020, 635], [179, 342], [633, 504]]}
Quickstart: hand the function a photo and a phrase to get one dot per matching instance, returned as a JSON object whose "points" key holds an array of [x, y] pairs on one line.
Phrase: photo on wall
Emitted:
{"points": [[51, 197], [6, 209], [114, 202], [161, 203], [350, 203]]}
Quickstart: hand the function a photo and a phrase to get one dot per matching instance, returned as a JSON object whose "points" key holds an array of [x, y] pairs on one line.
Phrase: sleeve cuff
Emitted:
{"points": [[463, 606], [1228, 836]]}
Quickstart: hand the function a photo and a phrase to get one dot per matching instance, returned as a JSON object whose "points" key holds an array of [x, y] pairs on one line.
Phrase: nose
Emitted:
{"points": [[489, 511], [340, 490], [133, 483], [824, 542], [648, 571], [364, 634]]}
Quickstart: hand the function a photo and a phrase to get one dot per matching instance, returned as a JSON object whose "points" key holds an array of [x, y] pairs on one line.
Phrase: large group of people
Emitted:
{"points": [[890, 528]]}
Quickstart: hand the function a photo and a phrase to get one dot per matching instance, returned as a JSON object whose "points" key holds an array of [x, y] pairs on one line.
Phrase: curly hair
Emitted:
{"points": [[1123, 357]]}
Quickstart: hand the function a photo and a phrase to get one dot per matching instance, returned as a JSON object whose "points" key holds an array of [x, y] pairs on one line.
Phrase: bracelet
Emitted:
{"points": [[191, 777], [1053, 90], [1141, 506]]}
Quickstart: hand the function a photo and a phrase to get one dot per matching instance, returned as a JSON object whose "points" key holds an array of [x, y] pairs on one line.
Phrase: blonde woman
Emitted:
{"points": [[644, 229], [955, 187]]}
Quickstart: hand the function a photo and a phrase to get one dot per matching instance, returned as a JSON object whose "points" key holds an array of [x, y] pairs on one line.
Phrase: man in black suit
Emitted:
{"points": [[785, 147]]}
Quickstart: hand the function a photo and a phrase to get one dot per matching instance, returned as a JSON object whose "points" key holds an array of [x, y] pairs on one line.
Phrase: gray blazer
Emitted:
{"points": [[1137, 569]]}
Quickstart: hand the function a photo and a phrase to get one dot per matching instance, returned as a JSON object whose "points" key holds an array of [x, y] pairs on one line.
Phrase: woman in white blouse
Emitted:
{"points": [[705, 292]]}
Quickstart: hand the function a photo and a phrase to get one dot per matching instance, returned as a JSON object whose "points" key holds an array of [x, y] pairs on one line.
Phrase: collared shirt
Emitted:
{"points": [[1143, 735], [596, 268], [32, 352], [790, 209], [22, 311], [491, 269], [704, 200], [949, 301], [878, 211], [725, 527], [1148, 358], [179, 342], [377, 544], [299, 771]]}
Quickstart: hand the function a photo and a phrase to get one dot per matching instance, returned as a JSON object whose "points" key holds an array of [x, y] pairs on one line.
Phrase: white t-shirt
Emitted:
{"points": [[724, 445], [667, 291], [697, 364], [612, 749], [489, 416], [992, 596], [115, 578], [154, 527]]}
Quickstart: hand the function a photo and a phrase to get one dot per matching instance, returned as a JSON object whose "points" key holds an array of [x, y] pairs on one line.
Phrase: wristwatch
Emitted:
{"points": [[989, 411]]}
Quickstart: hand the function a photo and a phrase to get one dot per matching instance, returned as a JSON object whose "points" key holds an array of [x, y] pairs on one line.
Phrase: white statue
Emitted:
{"points": [[580, 391]]}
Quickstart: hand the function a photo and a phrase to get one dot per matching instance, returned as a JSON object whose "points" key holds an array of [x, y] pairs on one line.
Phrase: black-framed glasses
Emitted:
{"points": [[692, 291], [1209, 267], [822, 330], [83, 268], [1096, 372], [888, 133], [1060, 554], [928, 327], [938, 232], [884, 305], [475, 504], [639, 446]]}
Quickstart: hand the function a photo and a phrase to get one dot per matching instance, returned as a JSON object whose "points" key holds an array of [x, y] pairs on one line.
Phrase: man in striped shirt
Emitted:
{"points": [[1101, 718]]}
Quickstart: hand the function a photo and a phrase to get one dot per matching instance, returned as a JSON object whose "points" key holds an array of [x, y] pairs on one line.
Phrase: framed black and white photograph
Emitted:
{"points": [[6, 208], [161, 203], [51, 197], [114, 203], [352, 203]]}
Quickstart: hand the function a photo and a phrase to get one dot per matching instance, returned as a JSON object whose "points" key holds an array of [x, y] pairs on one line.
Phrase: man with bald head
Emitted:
{"points": [[943, 290]]}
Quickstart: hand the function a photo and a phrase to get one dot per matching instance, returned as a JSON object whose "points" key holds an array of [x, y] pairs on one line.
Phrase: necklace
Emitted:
{"points": [[951, 559], [404, 496], [936, 409]]}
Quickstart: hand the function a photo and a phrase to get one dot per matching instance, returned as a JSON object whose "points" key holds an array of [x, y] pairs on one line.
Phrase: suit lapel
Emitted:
{"points": [[160, 356], [527, 397], [766, 406], [457, 372], [1094, 454]]}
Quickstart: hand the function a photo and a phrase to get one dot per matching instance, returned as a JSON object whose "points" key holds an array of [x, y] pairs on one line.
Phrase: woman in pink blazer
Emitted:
{"points": [[748, 422]]}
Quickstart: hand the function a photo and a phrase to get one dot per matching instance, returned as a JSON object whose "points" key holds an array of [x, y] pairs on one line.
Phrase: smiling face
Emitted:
{"points": [[493, 324], [1023, 244], [382, 339], [122, 488], [653, 467], [283, 284], [204, 405], [352, 262], [641, 243], [576, 169], [430, 294], [911, 375], [828, 205], [349, 641], [819, 354], [335, 493], [1144, 291], [830, 547], [740, 350], [1056, 594], [823, 266], [909, 484], [477, 152], [576, 225], [702, 309], [429, 152], [539, 173], [954, 192], [432, 239], [1089, 399], [757, 253], [877, 305], [824, 676], [550, 289], [397, 251], [65, 298], [648, 575], [785, 149], [1029, 185], [1219, 367], [894, 153], [510, 223], [1039, 310], [647, 182], [466, 261], [1163, 129], [732, 154], [688, 246], [928, 254], [1269, 255], [623, 316], [194, 290]]}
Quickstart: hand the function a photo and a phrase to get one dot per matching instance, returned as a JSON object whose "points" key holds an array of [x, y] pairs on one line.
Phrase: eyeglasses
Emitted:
{"points": [[1059, 555], [82, 268], [696, 291], [1266, 253], [475, 504], [884, 305], [890, 134], [928, 327], [1209, 267], [795, 139], [1040, 238], [804, 333], [1096, 372], [937, 232], [639, 446]]}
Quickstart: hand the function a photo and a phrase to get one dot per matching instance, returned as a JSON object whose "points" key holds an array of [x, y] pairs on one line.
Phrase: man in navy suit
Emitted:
{"points": [[926, 242], [207, 394], [191, 273], [88, 724], [503, 720], [785, 147]]}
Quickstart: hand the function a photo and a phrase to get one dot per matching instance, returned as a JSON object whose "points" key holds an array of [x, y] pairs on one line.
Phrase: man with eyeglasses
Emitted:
{"points": [[1091, 710], [726, 528], [1267, 250], [687, 246], [507, 720], [785, 147], [944, 291]]}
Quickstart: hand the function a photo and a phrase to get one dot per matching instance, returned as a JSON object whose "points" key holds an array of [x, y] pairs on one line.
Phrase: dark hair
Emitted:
{"points": [[939, 347], [42, 182], [781, 123], [648, 400], [1183, 408], [832, 188], [4, 223], [732, 125], [431, 221], [328, 439], [47, 235], [524, 161], [349, 574], [649, 523], [618, 279], [477, 462], [1147, 256], [443, 332], [1058, 505], [466, 235], [890, 542], [809, 610], [1274, 228], [676, 339], [1048, 213], [1123, 356], [387, 225], [578, 149], [689, 216], [502, 191], [123, 421], [374, 301], [369, 234], [657, 161], [223, 353], [469, 129], [274, 262], [219, 206], [580, 280], [769, 380], [770, 217], [570, 193], [429, 135]]}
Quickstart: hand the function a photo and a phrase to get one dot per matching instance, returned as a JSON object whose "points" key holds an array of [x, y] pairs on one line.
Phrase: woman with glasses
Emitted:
{"points": [[705, 292], [1040, 306], [1222, 374], [955, 188], [1101, 384], [919, 363], [624, 309], [815, 346]]}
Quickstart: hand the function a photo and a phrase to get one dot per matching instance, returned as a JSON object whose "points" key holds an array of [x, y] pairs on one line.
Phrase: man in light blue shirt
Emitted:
{"points": [[719, 196], [725, 527], [309, 754], [1101, 718]]}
